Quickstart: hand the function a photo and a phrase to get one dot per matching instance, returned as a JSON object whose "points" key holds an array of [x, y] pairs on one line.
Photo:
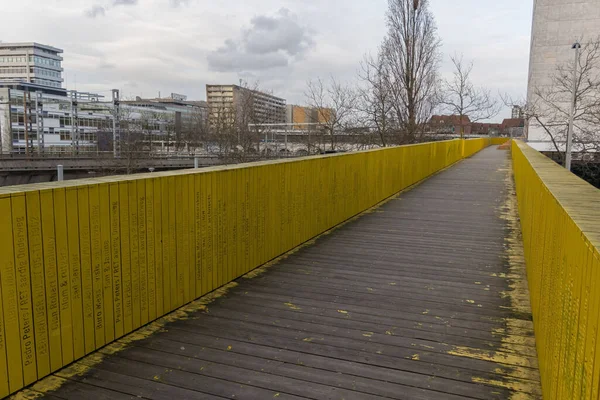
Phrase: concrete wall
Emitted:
{"points": [[557, 24], [5, 123]]}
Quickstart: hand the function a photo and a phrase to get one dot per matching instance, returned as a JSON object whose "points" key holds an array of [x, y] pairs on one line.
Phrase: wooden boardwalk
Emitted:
{"points": [[422, 298]]}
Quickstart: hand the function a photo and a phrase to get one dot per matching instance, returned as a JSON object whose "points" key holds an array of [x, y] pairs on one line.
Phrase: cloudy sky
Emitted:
{"points": [[146, 46]]}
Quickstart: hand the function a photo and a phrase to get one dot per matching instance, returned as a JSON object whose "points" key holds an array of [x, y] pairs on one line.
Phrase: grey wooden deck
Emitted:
{"points": [[423, 298]]}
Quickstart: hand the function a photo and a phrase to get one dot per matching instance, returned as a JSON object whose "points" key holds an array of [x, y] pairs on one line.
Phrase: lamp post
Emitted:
{"points": [[569, 149]]}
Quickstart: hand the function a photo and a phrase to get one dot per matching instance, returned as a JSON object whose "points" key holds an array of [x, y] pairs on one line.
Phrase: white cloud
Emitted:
{"points": [[180, 45]]}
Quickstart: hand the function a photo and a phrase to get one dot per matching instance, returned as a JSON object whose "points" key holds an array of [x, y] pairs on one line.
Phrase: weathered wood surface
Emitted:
{"points": [[423, 298]]}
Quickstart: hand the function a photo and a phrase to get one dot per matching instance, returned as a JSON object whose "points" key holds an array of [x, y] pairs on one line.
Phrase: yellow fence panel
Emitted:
{"points": [[86, 262], [560, 222]]}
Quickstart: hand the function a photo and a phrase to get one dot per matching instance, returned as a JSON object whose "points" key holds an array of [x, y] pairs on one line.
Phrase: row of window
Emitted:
{"points": [[46, 82], [23, 70], [32, 59], [45, 72], [20, 135]]}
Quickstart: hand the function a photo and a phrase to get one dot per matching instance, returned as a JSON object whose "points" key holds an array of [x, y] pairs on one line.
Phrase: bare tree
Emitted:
{"points": [[461, 98], [375, 98], [335, 108], [411, 54], [551, 108]]}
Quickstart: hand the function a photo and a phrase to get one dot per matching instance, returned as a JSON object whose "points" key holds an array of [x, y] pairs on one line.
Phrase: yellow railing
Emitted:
{"points": [[85, 262], [560, 222]]}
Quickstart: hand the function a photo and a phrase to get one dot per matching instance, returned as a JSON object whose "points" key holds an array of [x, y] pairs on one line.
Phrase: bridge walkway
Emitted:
{"points": [[421, 298]]}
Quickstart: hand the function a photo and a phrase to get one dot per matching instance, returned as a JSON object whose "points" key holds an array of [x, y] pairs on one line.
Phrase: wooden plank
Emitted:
{"points": [[134, 254], [38, 287], [64, 276], [115, 252], [173, 253], [12, 362], [125, 229], [158, 246], [142, 255], [97, 266], [166, 249], [107, 269], [72, 217], [86, 268], [150, 249]]}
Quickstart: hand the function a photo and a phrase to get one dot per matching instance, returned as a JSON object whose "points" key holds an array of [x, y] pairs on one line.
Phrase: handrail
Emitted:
{"points": [[560, 223]]}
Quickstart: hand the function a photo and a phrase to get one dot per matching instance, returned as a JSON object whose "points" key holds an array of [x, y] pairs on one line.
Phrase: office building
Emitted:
{"points": [[35, 64], [226, 101], [557, 25]]}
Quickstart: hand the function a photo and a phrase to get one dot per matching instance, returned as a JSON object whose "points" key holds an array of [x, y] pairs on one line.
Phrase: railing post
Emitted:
{"points": [[60, 173], [196, 162]]}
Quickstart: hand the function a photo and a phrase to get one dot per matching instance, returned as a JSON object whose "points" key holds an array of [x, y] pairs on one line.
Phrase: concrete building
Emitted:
{"points": [[226, 100], [557, 24], [84, 122], [31, 63]]}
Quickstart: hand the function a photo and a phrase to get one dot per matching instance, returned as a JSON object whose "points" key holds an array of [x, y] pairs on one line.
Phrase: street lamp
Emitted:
{"points": [[569, 149]]}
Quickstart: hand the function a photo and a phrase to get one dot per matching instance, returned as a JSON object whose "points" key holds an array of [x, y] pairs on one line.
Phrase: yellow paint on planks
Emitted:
{"points": [[86, 268], [74, 257], [10, 354], [63, 275], [38, 288], [104, 207]]}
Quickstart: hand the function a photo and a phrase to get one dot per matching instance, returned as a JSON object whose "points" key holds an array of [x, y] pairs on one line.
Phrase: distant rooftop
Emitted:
{"points": [[30, 44]]}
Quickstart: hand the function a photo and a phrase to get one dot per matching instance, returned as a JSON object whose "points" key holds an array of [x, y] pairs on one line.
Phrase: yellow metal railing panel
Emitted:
{"points": [[83, 263], [560, 222]]}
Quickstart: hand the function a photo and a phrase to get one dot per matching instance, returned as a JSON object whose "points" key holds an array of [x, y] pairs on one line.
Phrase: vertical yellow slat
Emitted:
{"points": [[212, 226], [166, 245], [217, 186], [198, 235], [107, 272], [142, 257], [97, 267], [206, 218], [180, 266], [191, 235], [51, 278], [158, 247], [85, 250], [224, 231], [173, 244], [75, 273], [125, 230], [64, 275], [150, 219], [24, 289], [183, 232], [134, 254], [233, 225], [4, 390], [38, 287], [11, 368], [115, 250]]}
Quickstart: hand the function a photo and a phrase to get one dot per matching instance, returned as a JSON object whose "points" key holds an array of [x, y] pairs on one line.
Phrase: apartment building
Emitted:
{"points": [[225, 101]]}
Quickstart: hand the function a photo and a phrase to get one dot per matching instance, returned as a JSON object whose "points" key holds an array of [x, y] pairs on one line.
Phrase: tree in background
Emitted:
{"points": [[410, 53], [461, 98], [335, 105], [551, 109]]}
